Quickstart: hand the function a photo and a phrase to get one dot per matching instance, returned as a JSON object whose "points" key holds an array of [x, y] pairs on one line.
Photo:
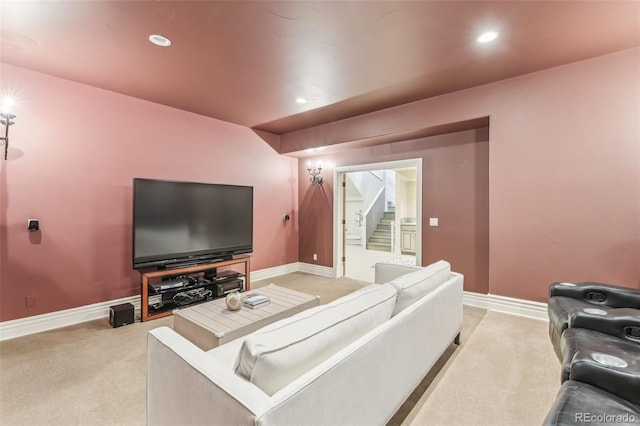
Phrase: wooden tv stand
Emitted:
{"points": [[148, 277]]}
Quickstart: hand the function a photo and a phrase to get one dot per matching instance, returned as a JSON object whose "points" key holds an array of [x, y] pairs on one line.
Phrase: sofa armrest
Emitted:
{"points": [[186, 386], [623, 323], [385, 272], [598, 294]]}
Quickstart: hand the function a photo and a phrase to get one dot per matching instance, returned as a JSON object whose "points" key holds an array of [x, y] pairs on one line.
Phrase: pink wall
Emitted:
{"points": [[564, 167], [564, 180], [455, 188], [74, 151]]}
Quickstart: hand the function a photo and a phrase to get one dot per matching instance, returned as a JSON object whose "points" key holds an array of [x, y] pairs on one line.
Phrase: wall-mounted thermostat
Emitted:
{"points": [[433, 221]]}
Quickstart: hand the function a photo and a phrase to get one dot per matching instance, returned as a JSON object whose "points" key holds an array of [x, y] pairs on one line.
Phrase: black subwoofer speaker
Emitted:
{"points": [[120, 315]]}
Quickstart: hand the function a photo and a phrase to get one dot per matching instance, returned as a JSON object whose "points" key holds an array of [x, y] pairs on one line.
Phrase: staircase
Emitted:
{"points": [[381, 238]]}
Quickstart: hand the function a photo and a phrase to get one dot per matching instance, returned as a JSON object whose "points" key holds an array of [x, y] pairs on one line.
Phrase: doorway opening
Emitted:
{"points": [[377, 216]]}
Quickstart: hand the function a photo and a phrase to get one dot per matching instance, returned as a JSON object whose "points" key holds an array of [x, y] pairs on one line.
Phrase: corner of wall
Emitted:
{"points": [[271, 139]]}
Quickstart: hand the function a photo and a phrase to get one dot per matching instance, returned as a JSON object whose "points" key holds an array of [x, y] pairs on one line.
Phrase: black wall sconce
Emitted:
{"points": [[5, 118], [316, 178]]}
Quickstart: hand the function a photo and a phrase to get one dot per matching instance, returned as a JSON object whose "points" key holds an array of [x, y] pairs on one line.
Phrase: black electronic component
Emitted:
{"points": [[169, 285], [229, 286], [226, 275], [165, 213], [120, 315]]}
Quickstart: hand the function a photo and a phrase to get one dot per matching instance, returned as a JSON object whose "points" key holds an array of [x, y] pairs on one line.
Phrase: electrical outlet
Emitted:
{"points": [[315, 256], [30, 301]]}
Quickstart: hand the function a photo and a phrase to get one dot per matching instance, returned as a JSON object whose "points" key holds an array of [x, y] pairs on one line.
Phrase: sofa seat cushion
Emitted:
{"points": [[415, 285], [277, 354]]}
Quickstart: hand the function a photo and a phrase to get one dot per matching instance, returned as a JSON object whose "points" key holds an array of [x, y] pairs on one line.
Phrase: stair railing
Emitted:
{"points": [[373, 215], [374, 174], [393, 236]]}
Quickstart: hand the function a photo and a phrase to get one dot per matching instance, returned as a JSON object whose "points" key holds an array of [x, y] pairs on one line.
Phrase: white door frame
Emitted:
{"points": [[337, 205]]}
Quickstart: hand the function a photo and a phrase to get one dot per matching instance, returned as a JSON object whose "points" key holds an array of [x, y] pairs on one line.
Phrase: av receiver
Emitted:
{"points": [[227, 287], [169, 285], [215, 276]]}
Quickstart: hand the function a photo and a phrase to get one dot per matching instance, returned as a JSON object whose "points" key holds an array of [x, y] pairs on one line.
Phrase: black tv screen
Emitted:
{"points": [[181, 223]]}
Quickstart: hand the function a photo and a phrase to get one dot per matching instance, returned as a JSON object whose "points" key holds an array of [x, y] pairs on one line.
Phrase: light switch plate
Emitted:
{"points": [[433, 221]]}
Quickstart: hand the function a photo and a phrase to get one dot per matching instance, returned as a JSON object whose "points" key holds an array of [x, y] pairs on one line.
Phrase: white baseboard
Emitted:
{"points": [[264, 274], [477, 300], [323, 271], [519, 307], [38, 323], [506, 305]]}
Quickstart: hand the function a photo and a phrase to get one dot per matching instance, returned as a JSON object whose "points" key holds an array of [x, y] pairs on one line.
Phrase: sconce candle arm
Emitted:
{"points": [[6, 120], [316, 178]]}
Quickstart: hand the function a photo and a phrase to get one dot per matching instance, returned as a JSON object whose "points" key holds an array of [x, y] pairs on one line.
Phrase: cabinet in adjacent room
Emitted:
{"points": [[408, 239]]}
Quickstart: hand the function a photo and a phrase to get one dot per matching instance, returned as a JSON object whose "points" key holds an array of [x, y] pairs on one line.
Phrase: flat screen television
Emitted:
{"points": [[183, 223]]}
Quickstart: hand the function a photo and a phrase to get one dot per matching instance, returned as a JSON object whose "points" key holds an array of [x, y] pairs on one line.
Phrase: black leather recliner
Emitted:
{"points": [[595, 331], [615, 332], [579, 403], [565, 298]]}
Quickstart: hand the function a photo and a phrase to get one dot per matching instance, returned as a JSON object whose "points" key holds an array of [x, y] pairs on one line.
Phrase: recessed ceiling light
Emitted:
{"points": [[159, 40], [487, 36], [302, 100]]}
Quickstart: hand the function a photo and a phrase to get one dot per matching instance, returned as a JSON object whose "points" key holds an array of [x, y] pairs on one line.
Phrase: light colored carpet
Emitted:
{"points": [[506, 374], [92, 374], [407, 413], [86, 374]]}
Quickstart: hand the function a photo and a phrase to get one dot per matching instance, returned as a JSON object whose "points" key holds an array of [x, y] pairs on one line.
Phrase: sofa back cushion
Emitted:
{"points": [[277, 354], [415, 285]]}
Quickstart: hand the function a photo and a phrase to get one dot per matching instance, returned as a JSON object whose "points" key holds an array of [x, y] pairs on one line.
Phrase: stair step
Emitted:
{"points": [[377, 233], [379, 247], [380, 240]]}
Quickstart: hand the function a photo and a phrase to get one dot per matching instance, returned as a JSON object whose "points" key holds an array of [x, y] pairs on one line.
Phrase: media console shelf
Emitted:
{"points": [[151, 277]]}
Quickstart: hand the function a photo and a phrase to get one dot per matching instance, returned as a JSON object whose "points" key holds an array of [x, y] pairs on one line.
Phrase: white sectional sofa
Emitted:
{"points": [[353, 361]]}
